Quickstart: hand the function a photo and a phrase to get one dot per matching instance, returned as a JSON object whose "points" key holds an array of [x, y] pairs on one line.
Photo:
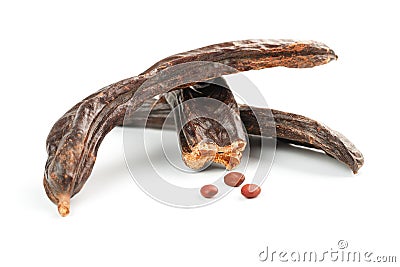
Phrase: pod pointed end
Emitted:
{"points": [[63, 206]]}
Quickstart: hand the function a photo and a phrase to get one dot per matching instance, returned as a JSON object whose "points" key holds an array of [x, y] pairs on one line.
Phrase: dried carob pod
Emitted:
{"points": [[300, 130], [288, 127], [208, 124], [74, 140]]}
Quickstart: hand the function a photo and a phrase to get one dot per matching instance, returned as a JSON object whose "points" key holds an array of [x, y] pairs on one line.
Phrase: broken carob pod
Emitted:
{"points": [[74, 140], [288, 127], [208, 123], [303, 131]]}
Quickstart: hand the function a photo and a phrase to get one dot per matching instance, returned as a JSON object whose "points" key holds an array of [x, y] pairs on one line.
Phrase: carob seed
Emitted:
{"points": [[251, 190], [209, 191], [234, 179]]}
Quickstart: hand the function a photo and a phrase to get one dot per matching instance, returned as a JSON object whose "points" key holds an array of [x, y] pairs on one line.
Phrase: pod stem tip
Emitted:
{"points": [[63, 206]]}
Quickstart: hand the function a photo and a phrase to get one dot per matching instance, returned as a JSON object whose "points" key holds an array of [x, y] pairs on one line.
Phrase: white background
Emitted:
{"points": [[55, 53]]}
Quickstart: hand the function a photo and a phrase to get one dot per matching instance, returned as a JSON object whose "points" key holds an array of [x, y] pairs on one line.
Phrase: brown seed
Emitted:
{"points": [[234, 179], [251, 190], [209, 191]]}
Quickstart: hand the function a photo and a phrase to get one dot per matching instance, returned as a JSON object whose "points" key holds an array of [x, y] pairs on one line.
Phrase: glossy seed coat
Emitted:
{"points": [[209, 191], [234, 179], [250, 190]]}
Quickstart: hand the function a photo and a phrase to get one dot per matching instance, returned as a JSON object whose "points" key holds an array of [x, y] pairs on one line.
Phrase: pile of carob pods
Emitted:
{"points": [[74, 140]]}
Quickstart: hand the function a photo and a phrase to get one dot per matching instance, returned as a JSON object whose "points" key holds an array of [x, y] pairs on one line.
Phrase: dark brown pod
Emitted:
{"points": [[288, 127], [209, 191], [75, 138], [234, 179], [208, 122], [250, 190]]}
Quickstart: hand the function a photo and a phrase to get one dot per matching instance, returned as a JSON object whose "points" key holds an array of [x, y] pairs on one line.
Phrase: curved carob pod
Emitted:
{"points": [[288, 127], [208, 124], [74, 140], [303, 131]]}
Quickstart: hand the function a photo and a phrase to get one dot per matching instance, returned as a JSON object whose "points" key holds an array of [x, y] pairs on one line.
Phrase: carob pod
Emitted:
{"points": [[74, 140], [288, 127], [303, 131], [208, 123]]}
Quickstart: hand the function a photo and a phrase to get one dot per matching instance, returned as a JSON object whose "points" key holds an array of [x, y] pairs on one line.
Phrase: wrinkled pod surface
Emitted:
{"points": [[73, 142], [288, 127]]}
